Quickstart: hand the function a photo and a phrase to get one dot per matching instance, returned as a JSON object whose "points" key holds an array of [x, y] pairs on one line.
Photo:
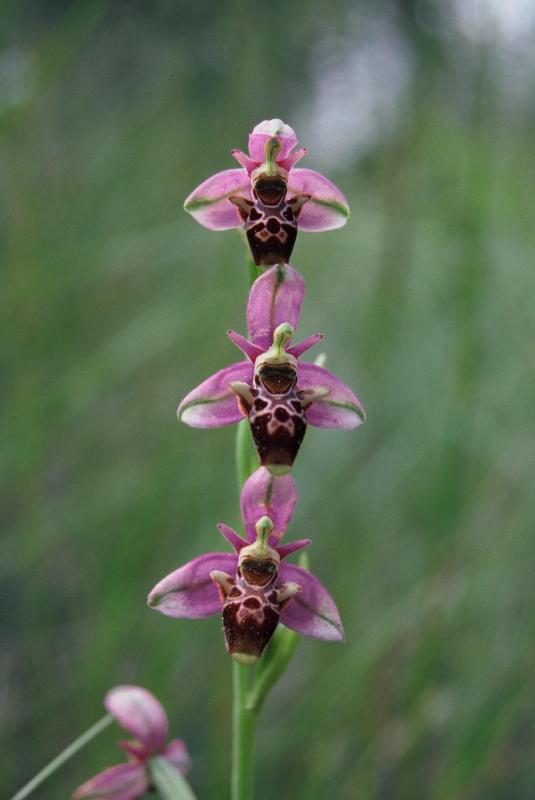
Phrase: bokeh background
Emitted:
{"points": [[115, 303]]}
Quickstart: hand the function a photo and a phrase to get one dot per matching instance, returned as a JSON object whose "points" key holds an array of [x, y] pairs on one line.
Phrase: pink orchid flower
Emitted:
{"points": [[269, 195], [253, 587], [143, 717], [278, 394]]}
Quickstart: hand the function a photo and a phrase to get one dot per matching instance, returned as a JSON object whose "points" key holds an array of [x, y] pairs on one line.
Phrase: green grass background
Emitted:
{"points": [[115, 303]]}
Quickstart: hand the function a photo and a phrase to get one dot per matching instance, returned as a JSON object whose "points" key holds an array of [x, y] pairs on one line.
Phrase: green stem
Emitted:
{"points": [[243, 717], [247, 696], [64, 756], [244, 724], [243, 453]]}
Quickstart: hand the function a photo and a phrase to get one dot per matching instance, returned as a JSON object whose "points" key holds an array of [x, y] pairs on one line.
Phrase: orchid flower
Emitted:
{"points": [[253, 587], [143, 717], [269, 195], [278, 394]]}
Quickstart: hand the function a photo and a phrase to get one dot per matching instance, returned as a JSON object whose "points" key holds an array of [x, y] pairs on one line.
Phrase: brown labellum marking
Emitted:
{"points": [[278, 429], [247, 631], [273, 225], [252, 602], [258, 572], [270, 222], [277, 378], [281, 414], [288, 214], [270, 190]]}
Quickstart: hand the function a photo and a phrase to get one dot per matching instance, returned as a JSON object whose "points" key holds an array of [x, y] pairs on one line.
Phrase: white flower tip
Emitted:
{"points": [[274, 127]]}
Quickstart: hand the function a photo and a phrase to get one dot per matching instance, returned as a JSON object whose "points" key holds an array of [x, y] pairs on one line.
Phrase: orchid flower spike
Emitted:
{"points": [[269, 196], [276, 392], [143, 717], [253, 588]]}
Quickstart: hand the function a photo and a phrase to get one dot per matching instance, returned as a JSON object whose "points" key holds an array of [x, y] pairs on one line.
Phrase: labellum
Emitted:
{"points": [[270, 220], [253, 601]]}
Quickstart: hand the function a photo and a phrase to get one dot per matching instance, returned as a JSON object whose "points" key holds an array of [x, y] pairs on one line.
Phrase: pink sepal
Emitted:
{"points": [[212, 404], [231, 536], [124, 782], [275, 297], [264, 494], [327, 208], [189, 592], [292, 547], [209, 203], [134, 750], [246, 162], [340, 408], [297, 350], [291, 160], [252, 351], [139, 713], [312, 612]]}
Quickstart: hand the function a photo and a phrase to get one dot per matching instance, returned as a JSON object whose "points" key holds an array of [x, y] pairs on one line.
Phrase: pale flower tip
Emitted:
{"points": [[287, 591], [274, 127], [279, 469], [245, 658], [153, 599], [264, 527], [283, 333]]}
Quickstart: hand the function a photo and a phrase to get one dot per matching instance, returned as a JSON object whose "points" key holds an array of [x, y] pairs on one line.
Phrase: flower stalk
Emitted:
{"points": [[244, 719], [168, 782], [63, 757]]}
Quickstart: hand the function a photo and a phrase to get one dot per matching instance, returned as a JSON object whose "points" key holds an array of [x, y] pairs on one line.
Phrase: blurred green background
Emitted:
{"points": [[115, 303]]}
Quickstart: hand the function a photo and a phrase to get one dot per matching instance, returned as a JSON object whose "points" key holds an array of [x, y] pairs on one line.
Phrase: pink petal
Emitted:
{"points": [[339, 409], [246, 162], [139, 713], [177, 754], [266, 130], [231, 536], [264, 494], [275, 297], [212, 404], [252, 351], [209, 203], [312, 612], [189, 592], [125, 782], [136, 751], [300, 348], [292, 547], [327, 209], [292, 159]]}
